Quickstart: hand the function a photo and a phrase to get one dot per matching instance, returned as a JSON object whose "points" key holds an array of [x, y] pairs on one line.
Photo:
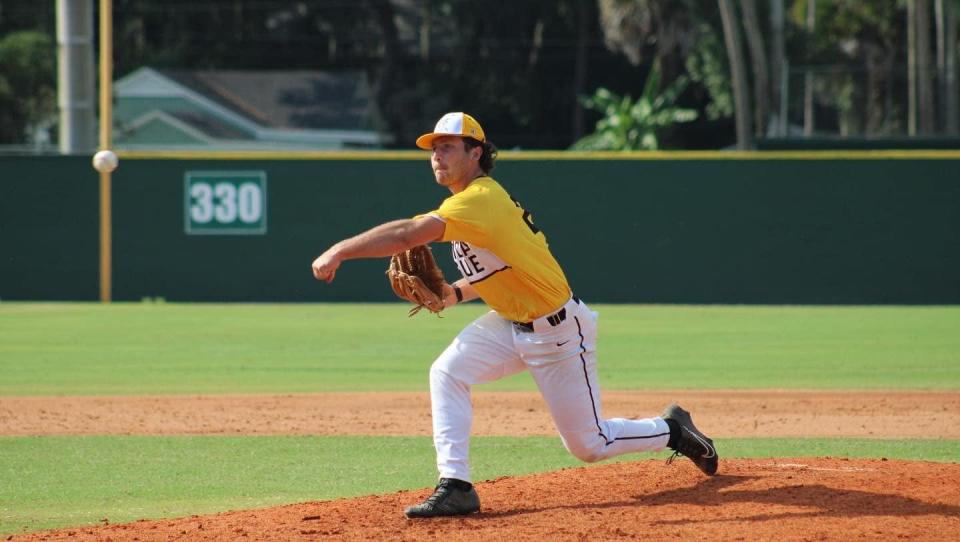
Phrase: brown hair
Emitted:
{"points": [[489, 155]]}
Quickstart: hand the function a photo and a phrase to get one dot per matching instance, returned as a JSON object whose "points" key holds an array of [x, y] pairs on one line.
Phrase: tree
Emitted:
{"points": [[516, 66], [778, 66], [580, 66], [707, 65], [731, 32], [866, 41], [683, 36], [758, 58], [628, 125], [947, 62], [808, 111], [667, 26], [924, 66], [27, 85]]}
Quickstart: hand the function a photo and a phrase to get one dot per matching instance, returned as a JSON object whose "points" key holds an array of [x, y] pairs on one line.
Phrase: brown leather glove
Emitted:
{"points": [[415, 276]]}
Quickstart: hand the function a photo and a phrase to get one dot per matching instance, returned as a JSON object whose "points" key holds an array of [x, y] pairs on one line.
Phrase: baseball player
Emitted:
{"points": [[536, 323]]}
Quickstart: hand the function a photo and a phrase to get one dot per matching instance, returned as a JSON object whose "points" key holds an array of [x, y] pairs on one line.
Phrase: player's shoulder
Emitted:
{"points": [[487, 187], [486, 182], [481, 187], [482, 193]]}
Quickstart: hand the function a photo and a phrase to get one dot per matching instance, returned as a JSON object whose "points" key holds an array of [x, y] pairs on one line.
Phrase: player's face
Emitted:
{"points": [[452, 163]]}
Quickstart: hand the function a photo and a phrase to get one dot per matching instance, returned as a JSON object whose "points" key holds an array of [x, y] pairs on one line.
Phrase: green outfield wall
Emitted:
{"points": [[795, 228]]}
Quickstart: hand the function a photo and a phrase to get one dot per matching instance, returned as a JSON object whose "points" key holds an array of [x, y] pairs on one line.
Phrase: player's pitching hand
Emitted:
{"points": [[325, 266]]}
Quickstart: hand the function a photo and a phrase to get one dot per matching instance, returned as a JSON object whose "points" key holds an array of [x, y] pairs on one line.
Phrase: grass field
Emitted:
{"points": [[67, 481], [83, 349], [165, 348]]}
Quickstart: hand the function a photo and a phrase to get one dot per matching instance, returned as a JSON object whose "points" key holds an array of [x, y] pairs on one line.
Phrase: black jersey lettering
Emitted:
{"points": [[475, 263]]}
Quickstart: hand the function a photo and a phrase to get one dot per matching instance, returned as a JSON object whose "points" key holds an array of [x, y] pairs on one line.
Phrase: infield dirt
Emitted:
{"points": [[735, 413], [768, 499]]}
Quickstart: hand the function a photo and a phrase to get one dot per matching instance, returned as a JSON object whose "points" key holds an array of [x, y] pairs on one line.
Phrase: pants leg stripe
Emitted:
{"points": [[596, 418], [586, 378], [667, 434]]}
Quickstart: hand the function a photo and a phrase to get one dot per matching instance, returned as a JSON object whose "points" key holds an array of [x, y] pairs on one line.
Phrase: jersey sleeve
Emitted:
{"points": [[465, 215]]}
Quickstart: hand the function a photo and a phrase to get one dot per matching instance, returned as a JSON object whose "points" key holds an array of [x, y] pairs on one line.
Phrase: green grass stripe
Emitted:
{"points": [[171, 348], [48, 482]]}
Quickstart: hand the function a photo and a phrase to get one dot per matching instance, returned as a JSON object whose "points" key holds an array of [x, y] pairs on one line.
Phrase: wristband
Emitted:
{"points": [[457, 291]]}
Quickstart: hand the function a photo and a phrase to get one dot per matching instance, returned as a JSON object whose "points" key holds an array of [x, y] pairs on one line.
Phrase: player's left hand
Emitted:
{"points": [[325, 266]]}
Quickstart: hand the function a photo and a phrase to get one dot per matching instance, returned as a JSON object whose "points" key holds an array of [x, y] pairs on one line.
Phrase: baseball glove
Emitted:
{"points": [[414, 276]]}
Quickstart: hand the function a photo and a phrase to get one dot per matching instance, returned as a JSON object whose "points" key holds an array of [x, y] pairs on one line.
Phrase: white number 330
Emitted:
{"points": [[225, 202]]}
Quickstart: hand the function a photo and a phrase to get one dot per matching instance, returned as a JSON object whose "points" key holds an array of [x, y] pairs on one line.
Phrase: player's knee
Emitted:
{"points": [[588, 450], [447, 362], [437, 373], [588, 455], [440, 374]]}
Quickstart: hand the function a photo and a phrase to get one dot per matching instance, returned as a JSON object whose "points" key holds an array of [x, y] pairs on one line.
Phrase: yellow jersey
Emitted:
{"points": [[503, 255]]}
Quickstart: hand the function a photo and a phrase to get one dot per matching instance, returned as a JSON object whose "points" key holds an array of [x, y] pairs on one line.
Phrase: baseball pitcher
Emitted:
{"points": [[536, 323]]}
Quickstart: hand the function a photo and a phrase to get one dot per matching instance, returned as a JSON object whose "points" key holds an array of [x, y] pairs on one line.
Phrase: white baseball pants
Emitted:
{"points": [[563, 361]]}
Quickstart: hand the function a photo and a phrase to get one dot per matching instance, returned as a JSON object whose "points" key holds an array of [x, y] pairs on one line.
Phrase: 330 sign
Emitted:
{"points": [[225, 202]]}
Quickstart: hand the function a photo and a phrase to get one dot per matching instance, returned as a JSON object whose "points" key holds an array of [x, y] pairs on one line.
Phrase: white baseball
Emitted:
{"points": [[105, 161]]}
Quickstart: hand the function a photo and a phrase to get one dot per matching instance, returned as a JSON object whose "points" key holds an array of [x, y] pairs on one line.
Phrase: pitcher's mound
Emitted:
{"points": [[770, 499]]}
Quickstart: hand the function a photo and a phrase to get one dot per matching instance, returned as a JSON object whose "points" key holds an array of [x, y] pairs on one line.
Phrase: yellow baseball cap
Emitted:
{"points": [[452, 124]]}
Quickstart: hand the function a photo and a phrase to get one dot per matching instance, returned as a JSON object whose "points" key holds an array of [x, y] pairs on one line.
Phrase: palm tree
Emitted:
{"points": [[633, 125], [731, 33], [920, 86], [758, 57], [777, 66], [947, 62], [925, 73]]}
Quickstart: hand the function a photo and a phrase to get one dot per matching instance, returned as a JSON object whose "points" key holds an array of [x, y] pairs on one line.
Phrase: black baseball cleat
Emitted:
{"points": [[452, 497], [690, 442]]}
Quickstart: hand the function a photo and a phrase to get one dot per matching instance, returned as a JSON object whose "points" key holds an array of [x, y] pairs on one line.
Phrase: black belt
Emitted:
{"points": [[555, 319]]}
